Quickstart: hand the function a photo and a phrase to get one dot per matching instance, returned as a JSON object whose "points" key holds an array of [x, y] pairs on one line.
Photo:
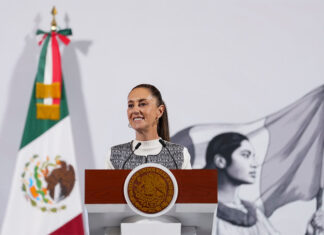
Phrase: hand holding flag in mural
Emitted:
{"points": [[45, 195]]}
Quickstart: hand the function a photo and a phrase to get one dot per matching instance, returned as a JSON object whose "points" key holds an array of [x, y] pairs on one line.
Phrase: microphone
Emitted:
{"points": [[136, 147], [164, 146]]}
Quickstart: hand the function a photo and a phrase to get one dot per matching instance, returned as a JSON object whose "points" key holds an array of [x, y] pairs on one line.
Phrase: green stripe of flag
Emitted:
{"points": [[42, 61], [41, 64]]}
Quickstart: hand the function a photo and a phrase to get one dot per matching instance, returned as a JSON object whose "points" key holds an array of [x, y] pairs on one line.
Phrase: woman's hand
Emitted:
{"points": [[316, 224]]}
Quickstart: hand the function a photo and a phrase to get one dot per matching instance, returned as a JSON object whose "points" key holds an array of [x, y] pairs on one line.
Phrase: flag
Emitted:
{"points": [[45, 196], [289, 149]]}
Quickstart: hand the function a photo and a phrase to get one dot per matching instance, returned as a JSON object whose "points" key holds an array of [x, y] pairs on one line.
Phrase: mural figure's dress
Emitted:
{"points": [[242, 219]]}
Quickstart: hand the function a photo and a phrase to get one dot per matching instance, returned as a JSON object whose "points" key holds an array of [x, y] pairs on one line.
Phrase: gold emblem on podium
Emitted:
{"points": [[151, 189]]}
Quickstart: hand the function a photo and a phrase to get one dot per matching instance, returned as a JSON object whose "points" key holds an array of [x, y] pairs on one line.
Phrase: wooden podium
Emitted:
{"points": [[107, 207]]}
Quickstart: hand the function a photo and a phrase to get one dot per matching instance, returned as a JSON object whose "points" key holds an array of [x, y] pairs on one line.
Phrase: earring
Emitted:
{"points": [[129, 125]]}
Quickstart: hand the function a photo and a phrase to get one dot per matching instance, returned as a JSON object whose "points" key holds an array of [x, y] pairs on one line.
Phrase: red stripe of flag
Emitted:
{"points": [[57, 70], [73, 227]]}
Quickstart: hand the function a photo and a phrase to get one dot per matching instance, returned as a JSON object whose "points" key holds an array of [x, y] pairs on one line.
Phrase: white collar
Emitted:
{"points": [[148, 144]]}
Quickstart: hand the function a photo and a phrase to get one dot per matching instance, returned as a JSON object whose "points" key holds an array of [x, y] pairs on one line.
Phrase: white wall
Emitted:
{"points": [[214, 61]]}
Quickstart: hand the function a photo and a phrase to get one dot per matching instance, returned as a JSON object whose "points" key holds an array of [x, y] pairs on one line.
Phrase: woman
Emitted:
{"points": [[234, 156], [147, 115]]}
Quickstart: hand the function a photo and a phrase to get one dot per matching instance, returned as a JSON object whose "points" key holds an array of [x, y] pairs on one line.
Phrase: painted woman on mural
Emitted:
{"points": [[234, 157]]}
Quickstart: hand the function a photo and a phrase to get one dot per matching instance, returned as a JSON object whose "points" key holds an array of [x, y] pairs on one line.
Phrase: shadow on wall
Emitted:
{"points": [[78, 114], [20, 89]]}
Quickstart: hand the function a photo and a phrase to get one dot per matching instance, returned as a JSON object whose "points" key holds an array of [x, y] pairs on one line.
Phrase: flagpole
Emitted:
{"points": [[53, 23], [319, 199], [319, 205]]}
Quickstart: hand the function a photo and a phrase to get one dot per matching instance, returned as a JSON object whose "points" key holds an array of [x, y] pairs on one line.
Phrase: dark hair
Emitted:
{"points": [[224, 144], [163, 124]]}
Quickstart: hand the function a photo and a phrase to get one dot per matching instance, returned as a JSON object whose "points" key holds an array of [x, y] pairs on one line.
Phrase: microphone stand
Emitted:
{"points": [[164, 146], [136, 147]]}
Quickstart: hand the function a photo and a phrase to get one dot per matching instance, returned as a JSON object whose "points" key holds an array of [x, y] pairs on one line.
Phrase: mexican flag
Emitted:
{"points": [[289, 147], [45, 196]]}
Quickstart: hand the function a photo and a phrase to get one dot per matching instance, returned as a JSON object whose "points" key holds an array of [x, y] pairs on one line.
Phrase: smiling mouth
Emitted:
{"points": [[138, 119]]}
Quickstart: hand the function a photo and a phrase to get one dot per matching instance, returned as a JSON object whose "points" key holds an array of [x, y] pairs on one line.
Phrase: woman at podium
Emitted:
{"points": [[147, 115]]}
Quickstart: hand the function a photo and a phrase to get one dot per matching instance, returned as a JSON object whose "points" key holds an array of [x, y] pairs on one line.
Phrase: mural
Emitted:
{"points": [[263, 165]]}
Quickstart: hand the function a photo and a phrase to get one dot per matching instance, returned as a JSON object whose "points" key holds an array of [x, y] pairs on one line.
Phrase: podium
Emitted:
{"points": [[194, 207]]}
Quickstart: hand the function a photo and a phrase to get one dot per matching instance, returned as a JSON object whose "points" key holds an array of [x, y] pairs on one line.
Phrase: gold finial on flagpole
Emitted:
{"points": [[53, 24]]}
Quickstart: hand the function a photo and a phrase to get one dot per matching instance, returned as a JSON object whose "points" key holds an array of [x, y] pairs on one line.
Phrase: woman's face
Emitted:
{"points": [[243, 166], [143, 112]]}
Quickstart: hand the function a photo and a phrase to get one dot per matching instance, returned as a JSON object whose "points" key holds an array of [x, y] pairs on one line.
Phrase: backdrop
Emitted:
{"points": [[214, 61]]}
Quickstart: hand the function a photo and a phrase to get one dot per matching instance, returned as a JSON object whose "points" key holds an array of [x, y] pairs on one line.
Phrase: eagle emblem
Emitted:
{"points": [[46, 184]]}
